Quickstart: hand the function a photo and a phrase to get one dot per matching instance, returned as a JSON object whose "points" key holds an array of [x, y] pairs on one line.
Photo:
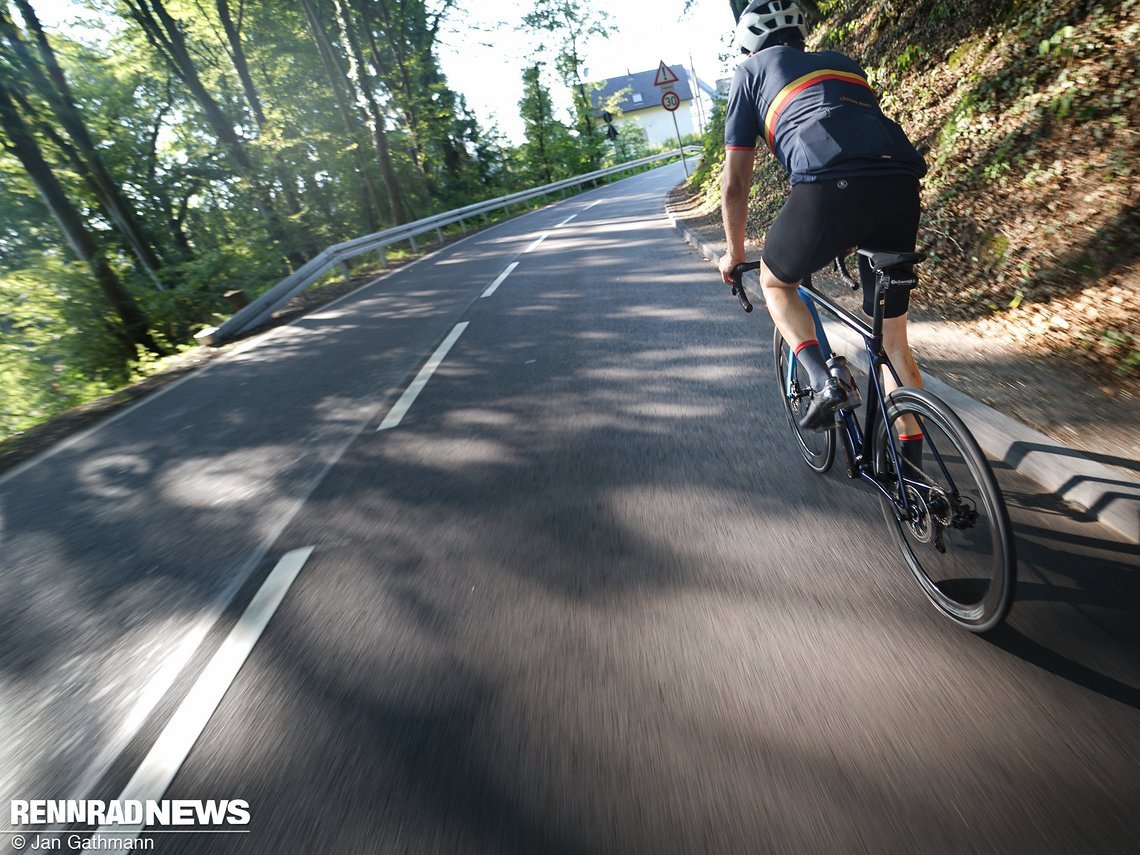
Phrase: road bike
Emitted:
{"points": [[945, 510]]}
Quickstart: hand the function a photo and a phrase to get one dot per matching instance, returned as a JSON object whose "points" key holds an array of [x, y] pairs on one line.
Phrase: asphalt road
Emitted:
{"points": [[582, 597]]}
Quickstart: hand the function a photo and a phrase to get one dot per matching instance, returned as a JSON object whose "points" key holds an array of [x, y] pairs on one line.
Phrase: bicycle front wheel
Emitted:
{"points": [[957, 539], [817, 449]]}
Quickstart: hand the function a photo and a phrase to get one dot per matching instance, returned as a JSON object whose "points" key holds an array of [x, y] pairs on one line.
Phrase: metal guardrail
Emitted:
{"points": [[260, 310]]}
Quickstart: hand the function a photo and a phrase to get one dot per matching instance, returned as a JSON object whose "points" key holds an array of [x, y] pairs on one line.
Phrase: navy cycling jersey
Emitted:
{"points": [[818, 115]]}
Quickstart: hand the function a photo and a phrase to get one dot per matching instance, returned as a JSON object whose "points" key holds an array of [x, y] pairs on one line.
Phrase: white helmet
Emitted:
{"points": [[763, 19]]}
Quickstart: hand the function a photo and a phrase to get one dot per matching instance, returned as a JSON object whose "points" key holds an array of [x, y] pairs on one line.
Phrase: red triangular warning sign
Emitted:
{"points": [[664, 75]]}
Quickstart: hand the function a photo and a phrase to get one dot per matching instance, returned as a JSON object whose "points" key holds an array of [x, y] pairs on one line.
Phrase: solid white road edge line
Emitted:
{"points": [[397, 413], [499, 281], [169, 752]]}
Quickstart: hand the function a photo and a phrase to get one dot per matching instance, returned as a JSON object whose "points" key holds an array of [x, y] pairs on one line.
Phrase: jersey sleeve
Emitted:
{"points": [[741, 119]]}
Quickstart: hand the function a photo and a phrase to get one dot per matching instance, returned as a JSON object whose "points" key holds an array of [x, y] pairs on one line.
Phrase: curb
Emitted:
{"points": [[1105, 495]]}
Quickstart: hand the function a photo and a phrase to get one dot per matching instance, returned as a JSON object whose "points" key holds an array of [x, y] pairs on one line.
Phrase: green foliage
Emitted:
{"points": [[1060, 43], [553, 150], [829, 7], [631, 144], [834, 37], [707, 175], [1124, 348], [49, 361], [908, 56], [564, 28]]}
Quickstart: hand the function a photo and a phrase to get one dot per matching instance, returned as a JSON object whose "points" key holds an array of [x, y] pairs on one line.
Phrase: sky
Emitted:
{"points": [[483, 54]]}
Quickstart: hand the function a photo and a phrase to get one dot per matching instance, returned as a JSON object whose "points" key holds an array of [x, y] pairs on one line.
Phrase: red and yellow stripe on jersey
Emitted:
{"points": [[781, 101]]}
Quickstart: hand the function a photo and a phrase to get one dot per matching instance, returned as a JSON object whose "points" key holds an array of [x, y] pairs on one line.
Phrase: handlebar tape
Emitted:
{"points": [[738, 282]]}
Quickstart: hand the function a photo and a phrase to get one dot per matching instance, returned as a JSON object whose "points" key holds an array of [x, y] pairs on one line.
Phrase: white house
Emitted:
{"points": [[640, 100]]}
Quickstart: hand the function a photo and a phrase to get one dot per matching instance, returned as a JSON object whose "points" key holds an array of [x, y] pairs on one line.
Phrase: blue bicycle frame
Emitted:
{"points": [[859, 464]]}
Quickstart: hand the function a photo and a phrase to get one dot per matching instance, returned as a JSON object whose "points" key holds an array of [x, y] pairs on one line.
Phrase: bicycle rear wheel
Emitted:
{"points": [[817, 449], [958, 541]]}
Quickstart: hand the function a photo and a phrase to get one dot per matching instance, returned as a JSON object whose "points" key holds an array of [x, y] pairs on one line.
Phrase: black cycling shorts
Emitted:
{"points": [[823, 219]]}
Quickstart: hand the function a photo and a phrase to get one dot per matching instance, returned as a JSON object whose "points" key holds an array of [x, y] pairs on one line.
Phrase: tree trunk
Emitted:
{"points": [[54, 87], [404, 92], [366, 99], [165, 35], [578, 88], [252, 97], [237, 57], [134, 325], [370, 196]]}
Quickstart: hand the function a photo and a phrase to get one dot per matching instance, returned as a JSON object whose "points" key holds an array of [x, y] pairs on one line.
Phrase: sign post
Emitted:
{"points": [[667, 79]]}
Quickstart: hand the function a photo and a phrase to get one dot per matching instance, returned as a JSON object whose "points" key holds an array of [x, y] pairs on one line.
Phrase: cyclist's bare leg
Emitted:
{"points": [[897, 346], [794, 321], [788, 311]]}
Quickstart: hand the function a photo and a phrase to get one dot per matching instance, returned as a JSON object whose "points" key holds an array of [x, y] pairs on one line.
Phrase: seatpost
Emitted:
{"points": [[882, 285]]}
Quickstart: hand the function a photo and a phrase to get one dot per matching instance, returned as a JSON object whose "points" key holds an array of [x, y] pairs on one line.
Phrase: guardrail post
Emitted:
{"points": [[412, 241], [347, 273], [439, 234]]}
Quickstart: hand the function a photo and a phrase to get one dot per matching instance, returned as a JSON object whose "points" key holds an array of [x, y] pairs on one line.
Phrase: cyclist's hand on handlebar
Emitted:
{"points": [[732, 271], [727, 264]]}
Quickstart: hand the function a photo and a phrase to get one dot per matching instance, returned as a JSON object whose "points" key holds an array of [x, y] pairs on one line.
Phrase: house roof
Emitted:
{"points": [[640, 83]]}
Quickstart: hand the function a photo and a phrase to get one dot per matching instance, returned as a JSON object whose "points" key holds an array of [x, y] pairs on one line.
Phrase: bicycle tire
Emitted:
{"points": [[959, 542], [817, 449]]}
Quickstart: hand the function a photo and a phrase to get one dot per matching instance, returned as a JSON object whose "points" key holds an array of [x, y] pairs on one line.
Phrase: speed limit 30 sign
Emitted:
{"points": [[670, 101]]}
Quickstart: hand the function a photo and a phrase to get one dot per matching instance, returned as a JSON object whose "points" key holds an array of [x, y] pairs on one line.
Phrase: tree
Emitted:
{"points": [[42, 71], [167, 38], [133, 330], [401, 37], [548, 153], [237, 55], [370, 195], [571, 24], [367, 102], [236, 51]]}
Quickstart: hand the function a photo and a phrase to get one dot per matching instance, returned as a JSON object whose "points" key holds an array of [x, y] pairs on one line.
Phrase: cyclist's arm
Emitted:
{"points": [[735, 183]]}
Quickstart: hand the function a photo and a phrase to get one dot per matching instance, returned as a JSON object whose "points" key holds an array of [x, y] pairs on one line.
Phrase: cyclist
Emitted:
{"points": [[855, 182]]}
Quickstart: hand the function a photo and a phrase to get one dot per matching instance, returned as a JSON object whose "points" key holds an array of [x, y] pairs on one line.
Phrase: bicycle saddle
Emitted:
{"points": [[881, 260]]}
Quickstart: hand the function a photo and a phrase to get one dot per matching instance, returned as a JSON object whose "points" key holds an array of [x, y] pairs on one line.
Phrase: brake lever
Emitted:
{"points": [[738, 282], [738, 291]]}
